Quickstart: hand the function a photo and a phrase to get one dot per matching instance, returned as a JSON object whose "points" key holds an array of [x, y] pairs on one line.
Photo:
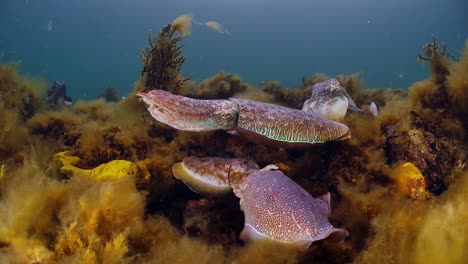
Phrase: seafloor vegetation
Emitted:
{"points": [[60, 204]]}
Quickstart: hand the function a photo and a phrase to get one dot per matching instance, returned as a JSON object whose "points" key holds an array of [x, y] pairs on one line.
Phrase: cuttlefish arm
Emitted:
{"points": [[189, 114], [212, 175], [351, 104]]}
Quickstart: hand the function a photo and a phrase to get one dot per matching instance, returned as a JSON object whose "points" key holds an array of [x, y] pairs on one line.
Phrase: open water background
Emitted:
{"points": [[93, 44]]}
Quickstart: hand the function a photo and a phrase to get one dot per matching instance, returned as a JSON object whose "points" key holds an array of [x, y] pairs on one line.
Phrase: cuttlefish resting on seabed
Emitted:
{"points": [[259, 122], [274, 206]]}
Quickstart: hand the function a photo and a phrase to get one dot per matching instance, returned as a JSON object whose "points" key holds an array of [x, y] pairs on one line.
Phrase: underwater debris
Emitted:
{"points": [[110, 94], [410, 181], [216, 26], [182, 24], [162, 61]]}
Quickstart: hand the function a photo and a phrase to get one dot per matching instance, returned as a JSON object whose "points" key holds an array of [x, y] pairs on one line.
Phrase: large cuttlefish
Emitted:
{"points": [[259, 122], [275, 207]]}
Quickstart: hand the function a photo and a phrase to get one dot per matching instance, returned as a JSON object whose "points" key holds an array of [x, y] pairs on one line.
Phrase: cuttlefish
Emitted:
{"points": [[275, 207], [259, 122], [330, 99]]}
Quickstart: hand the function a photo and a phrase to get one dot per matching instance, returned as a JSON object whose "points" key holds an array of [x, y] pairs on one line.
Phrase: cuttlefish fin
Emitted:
{"points": [[326, 198], [351, 104], [250, 234]]}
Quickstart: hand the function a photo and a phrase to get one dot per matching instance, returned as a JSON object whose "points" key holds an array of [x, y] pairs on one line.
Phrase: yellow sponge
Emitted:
{"points": [[112, 170], [410, 181]]}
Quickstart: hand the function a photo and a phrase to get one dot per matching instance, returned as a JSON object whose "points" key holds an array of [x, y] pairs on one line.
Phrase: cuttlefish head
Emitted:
{"points": [[190, 114], [330, 100]]}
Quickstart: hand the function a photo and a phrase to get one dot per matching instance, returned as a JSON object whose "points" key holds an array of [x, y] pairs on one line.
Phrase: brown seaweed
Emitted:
{"points": [[110, 94], [219, 86], [293, 98], [162, 61], [52, 218]]}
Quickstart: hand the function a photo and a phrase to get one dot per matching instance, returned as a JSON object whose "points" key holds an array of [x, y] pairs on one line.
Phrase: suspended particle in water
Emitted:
{"points": [[50, 25]]}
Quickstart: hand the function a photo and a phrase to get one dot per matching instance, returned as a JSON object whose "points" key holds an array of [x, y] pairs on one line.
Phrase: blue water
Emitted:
{"points": [[93, 44]]}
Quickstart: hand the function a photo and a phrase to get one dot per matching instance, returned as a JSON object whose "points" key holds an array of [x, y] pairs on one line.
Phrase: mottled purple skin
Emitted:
{"points": [[277, 208], [262, 123], [285, 127], [189, 114]]}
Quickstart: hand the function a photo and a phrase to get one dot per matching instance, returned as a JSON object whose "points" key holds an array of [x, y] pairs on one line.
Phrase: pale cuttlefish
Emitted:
{"points": [[275, 207], [259, 122], [373, 109], [330, 99]]}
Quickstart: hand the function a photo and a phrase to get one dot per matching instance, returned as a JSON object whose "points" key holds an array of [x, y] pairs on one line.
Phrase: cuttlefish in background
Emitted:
{"points": [[259, 122], [330, 99], [275, 207]]}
